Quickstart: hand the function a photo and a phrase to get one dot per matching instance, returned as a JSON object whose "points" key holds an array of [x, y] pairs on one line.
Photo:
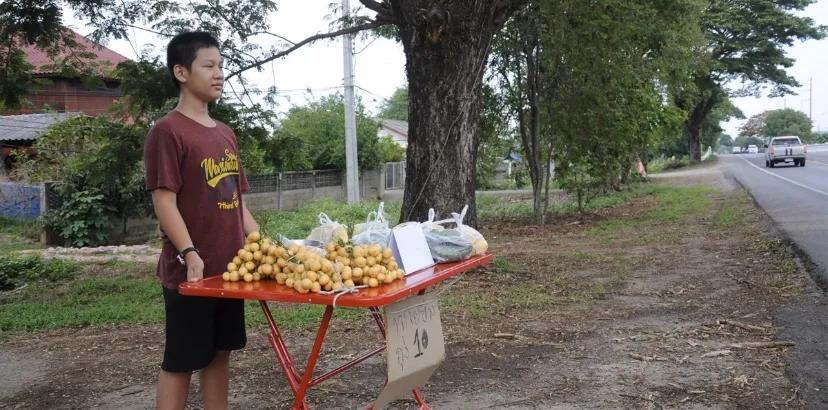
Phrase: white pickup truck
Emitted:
{"points": [[786, 149]]}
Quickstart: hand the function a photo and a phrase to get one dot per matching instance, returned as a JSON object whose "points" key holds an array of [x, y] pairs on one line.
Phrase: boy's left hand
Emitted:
{"points": [[195, 267]]}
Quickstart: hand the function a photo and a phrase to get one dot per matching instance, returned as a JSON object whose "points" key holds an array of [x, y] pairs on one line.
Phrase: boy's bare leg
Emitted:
{"points": [[172, 390], [215, 379]]}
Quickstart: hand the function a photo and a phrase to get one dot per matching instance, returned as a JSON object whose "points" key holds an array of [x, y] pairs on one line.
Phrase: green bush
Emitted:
{"points": [[17, 270], [83, 219]]}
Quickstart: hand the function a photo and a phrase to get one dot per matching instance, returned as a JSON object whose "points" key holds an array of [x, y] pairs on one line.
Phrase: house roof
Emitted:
{"points": [[103, 56], [400, 127], [28, 127]]}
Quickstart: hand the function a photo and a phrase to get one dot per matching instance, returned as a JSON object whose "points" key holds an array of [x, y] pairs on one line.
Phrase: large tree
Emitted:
{"points": [[320, 126], [773, 123], [746, 45], [446, 45], [788, 122]]}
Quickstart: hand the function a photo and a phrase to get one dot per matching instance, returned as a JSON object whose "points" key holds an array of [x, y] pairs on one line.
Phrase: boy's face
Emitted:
{"points": [[205, 78]]}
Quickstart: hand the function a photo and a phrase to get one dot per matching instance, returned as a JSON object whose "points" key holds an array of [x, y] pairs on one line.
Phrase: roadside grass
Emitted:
{"points": [[673, 204], [298, 223], [125, 293], [124, 299], [731, 214], [18, 235]]}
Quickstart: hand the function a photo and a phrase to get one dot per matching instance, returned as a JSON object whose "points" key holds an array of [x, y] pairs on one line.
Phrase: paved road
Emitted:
{"points": [[796, 199]]}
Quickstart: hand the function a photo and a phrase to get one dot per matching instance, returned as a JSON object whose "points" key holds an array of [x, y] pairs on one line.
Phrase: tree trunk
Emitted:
{"points": [[446, 48], [708, 96], [694, 138]]}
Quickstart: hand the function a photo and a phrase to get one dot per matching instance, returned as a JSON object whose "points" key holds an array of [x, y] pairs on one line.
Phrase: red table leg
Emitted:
{"points": [[300, 384], [299, 402], [278, 344]]}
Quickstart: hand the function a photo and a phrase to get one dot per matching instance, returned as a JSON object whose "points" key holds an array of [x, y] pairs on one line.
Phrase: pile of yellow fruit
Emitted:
{"points": [[308, 269]]}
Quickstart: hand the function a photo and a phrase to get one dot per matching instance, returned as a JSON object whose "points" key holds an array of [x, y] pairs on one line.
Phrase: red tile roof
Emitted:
{"points": [[105, 56]]}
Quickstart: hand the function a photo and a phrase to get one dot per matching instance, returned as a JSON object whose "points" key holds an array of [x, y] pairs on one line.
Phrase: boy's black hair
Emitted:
{"points": [[183, 47]]}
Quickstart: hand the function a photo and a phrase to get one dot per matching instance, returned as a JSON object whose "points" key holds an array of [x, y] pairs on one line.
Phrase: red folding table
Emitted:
{"points": [[371, 298]]}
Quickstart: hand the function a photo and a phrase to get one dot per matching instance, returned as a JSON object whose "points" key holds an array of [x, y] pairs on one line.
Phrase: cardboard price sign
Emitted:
{"points": [[415, 347]]}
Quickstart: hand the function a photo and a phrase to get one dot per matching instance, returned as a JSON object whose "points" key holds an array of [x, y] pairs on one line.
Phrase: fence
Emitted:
{"points": [[395, 175], [286, 181], [290, 190]]}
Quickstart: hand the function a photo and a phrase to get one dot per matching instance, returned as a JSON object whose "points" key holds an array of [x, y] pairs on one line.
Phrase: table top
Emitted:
{"points": [[382, 295]]}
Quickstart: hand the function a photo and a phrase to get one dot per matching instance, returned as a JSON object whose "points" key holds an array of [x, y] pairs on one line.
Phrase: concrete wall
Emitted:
{"points": [[372, 187], [287, 200]]}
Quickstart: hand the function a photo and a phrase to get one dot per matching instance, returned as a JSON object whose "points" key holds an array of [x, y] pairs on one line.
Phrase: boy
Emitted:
{"points": [[193, 170]]}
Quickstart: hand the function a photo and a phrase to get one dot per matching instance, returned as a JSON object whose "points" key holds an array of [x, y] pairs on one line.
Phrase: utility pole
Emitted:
{"points": [[351, 169], [811, 100]]}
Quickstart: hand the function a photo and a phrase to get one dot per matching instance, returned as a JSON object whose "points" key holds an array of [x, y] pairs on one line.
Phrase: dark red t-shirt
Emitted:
{"points": [[202, 166]]}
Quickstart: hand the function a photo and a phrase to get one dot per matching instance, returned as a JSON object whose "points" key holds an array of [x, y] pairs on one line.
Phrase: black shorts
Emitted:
{"points": [[197, 327]]}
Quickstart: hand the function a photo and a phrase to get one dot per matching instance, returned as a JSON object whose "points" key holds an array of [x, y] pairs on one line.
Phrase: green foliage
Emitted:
{"points": [[298, 223], [584, 83], [773, 123], [726, 140], [819, 138], [711, 131], [93, 161], [577, 180], [14, 271], [496, 139], [251, 126], [16, 79], [788, 122], [396, 107], [389, 150], [146, 87], [83, 219], [320, 126]]}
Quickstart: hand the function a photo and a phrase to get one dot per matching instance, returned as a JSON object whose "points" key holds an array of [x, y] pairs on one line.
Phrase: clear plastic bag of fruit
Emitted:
{"points": [[375, 230], [430, 224], [328, 231], [479, 244], [448, 245]]}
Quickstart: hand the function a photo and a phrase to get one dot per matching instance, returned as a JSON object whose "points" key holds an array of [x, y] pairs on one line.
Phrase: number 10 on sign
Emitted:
{"points": [[415, 347]]}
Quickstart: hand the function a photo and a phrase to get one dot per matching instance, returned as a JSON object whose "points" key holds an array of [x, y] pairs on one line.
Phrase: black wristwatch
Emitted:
{"points": [[184, 253]]}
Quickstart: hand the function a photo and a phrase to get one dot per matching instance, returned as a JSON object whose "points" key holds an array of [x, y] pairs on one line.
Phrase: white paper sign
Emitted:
{"points": [[408, 243], [415, 347]]}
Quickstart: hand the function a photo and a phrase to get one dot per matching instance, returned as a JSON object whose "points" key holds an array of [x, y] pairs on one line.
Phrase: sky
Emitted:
{"points": [[380, 64]]}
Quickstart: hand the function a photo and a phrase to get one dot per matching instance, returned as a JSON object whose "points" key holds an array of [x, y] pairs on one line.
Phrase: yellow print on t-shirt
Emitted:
{"points": [[215, 171], [225, 190]]}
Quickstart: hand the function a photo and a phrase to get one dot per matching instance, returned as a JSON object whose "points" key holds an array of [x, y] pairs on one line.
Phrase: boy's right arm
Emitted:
{"points": [[166, 209]]}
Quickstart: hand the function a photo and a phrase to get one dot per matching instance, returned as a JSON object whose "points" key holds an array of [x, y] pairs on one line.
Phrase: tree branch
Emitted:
{"points": [[311, 39], [272, 34], [380, 8], [150, 31]]}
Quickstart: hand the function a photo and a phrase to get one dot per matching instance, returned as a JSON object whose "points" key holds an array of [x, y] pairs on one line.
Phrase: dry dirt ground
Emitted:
{"points": [[608, 311]]}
